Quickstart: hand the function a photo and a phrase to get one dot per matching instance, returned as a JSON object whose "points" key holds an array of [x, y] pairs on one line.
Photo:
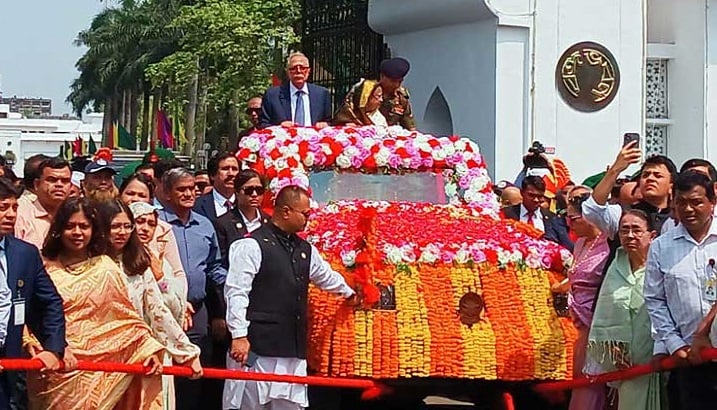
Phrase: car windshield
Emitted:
{"points": [[413, 187]]}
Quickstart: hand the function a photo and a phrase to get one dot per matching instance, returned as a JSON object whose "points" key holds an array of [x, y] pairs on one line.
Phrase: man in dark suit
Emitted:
{"points": [[222, 170], [529, 211], [296, 102], [33, 299]]}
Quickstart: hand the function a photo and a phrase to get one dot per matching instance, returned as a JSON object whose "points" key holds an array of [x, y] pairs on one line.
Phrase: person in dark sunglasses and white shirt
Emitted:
{"points": [[243, 219]]}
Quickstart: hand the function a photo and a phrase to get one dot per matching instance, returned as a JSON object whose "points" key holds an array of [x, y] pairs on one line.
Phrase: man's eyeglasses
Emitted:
{"points": [[573, 218], [297, 68], [252, 190], [202, 186], [250, 111]]}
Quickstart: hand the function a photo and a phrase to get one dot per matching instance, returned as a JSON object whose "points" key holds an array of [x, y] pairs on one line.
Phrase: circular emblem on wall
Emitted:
{"points": [[587, 76]]}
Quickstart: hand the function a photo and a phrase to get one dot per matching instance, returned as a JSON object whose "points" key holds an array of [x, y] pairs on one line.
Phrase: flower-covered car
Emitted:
{"points": [[449, 289]]}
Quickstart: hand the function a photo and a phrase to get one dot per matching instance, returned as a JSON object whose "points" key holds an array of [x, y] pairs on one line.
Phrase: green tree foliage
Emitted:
{"points": [[209, 54]]}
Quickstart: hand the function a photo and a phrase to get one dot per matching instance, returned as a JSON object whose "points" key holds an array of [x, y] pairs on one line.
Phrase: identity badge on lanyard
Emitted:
{"points": [[18, 304], [710, 284]]}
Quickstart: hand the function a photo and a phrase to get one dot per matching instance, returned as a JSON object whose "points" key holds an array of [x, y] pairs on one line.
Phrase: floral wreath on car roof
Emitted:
{"points": [[286, 155]]}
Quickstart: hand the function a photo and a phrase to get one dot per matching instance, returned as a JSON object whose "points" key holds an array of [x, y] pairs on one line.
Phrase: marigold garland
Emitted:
{"points": [[430, 255]]}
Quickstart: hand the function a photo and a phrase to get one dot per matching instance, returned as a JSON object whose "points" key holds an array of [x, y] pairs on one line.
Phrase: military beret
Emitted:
{"points": [[395, 67]]}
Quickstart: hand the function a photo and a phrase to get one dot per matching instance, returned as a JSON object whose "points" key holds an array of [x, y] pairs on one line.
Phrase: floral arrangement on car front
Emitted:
{"points": [[285, 155], [448, 290]]}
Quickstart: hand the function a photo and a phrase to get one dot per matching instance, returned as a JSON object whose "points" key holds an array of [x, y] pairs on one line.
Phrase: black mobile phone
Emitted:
{"points": [[251, 359], [630, 137]]}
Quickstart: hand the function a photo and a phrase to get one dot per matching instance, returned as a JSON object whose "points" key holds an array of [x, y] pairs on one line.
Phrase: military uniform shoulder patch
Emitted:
{"points": [[404, 92]]}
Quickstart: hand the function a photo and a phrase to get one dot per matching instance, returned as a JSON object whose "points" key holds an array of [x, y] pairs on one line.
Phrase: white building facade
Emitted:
{"points": [[22, 138], [487, 69]]}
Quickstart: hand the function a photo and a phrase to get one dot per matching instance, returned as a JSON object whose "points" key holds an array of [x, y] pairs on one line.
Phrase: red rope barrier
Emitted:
{"points": [[665, 364], [371, 388]]}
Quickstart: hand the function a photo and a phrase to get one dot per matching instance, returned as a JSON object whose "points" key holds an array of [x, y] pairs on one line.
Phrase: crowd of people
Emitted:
{"points": [[161, 269], [181, 267], [643, 283], [137, 274]]}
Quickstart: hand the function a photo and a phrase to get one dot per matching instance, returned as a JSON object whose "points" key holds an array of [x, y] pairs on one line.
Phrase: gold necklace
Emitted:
{"points": [[583, 255], [76, 270]]}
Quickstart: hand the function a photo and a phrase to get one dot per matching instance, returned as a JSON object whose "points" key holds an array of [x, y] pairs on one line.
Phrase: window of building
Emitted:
{"points": [[657, 117]]}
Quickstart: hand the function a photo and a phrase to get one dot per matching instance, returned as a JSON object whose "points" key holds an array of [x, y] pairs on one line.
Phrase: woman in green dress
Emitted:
{"points": [[620, 335]]}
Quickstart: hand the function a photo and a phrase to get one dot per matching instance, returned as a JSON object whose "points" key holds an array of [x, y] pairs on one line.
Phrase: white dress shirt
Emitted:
{"points": [[252, 225], [537, 218], [677, 267], [307, 105], [605, 217], [220, 202], [244, 264], [5, 294]]}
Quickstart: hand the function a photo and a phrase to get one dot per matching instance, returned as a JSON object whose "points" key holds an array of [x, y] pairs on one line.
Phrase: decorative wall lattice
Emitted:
{"points": [[655, 140], [656, 89]]}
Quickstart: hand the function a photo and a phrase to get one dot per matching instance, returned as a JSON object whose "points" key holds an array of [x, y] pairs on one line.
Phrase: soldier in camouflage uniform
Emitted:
{"points": [[396, 107]]}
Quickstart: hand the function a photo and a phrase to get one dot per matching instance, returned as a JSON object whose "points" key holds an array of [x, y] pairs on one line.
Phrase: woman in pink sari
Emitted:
{"points": [[589, 257]]}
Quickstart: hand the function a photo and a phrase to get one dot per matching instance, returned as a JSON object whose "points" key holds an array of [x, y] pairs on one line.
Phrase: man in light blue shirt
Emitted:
{"points": [[201, 259], [681, 285]]}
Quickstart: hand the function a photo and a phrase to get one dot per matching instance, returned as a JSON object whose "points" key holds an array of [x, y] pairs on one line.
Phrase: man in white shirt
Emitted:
{"points": [[297, 102], [222, 169], [267, 294], [681, 285]]}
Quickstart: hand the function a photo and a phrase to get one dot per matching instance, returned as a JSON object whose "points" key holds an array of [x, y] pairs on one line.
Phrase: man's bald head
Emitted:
{"points": [[510, 196]]}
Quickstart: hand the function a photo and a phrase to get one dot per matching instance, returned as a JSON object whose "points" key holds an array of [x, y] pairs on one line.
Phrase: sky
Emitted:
{"points": [[37, 57]]}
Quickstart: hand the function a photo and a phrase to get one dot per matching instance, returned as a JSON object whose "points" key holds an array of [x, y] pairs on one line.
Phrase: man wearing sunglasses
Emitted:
{"points": [[253, 112], [296, 103]]}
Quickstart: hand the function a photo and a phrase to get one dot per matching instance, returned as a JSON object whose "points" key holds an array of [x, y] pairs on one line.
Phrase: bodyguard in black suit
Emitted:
{"points": [[34, 298], [282, 106], [555, 229]]}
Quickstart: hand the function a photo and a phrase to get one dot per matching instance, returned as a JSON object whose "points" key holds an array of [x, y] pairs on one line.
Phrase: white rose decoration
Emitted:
{"points": [[348, 258], [309, 159], [393, 254], [382, 157], [462, 256], [252, 143], [342, 161]]}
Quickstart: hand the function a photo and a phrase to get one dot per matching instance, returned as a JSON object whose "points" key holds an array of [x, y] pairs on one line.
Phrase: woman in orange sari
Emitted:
{"points": [[102, 323]]}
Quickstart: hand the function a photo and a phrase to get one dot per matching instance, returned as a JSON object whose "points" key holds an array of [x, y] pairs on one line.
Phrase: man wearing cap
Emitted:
{"points": [[99, 184], [52, 186], [396, 107], [296, 102]]}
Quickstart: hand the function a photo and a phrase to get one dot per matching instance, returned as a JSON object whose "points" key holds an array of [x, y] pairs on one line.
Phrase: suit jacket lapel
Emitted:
{"points": [[10, 266], [285, 101], [314, 105]]}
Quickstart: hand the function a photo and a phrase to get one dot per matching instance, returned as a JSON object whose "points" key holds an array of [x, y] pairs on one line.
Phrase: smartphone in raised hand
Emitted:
{"points": [[629, 137]]}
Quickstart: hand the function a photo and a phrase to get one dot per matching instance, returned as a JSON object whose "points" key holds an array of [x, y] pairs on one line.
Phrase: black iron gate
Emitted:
{"points": [[340, 44]]}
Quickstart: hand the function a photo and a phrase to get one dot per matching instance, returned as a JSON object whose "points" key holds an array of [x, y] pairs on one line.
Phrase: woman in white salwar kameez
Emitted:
{"points": [[172, 289]]}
